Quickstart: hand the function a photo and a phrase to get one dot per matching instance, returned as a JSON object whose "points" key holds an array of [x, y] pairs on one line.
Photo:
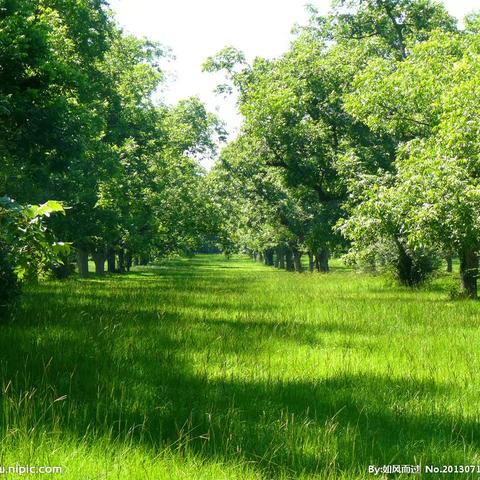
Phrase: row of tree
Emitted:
{"points": [[363, 137], [79, 125]]}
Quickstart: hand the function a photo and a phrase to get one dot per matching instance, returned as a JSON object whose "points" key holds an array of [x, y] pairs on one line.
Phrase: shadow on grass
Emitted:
{"points": [[126, 368]]}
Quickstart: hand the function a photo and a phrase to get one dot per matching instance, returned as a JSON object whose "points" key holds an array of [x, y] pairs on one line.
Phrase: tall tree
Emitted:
{"points": [[432, 198]]}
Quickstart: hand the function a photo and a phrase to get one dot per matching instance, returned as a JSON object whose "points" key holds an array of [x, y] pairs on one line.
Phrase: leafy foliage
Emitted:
{"points": [[26, 247], [326, 121], [80, 124]]}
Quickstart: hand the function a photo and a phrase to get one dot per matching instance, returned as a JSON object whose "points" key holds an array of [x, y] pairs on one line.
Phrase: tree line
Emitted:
{"points": [[82, 135], [362, 139]]}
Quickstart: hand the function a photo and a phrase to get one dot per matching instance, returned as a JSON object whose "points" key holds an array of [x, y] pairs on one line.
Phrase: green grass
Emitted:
{"points": [[225, 369]]}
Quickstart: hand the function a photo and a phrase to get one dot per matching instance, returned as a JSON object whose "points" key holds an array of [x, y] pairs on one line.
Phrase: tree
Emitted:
{"points": [[257, 212], [48, 57], [397, 23], [433, 197], [293, 108]]}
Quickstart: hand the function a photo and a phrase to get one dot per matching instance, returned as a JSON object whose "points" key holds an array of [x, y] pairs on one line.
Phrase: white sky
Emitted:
{"points": [[196, 29]]}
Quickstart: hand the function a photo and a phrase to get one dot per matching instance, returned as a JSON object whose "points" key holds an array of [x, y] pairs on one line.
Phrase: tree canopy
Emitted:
{"points": [[360, 140]]}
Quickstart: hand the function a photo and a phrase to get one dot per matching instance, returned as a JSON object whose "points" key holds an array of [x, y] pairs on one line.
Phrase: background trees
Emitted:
{"points": [[80, 125], [431, 201], [362, 137], [332, 119]]}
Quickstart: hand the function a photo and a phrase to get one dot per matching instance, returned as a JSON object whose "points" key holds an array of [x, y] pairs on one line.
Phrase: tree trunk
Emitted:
{"points": [[254, 256], [111, 261], [297, 260], [469, 272], [405, 267], [128, 260], [399, 29], [99, 259], [136, 260], [260, 257], [144, 260], [65, 267], [276, 263], [311, 263], [82, 263], [322, 259], [449, 264], [289, 260], [269, 257], [121, 260], [281, 258]]}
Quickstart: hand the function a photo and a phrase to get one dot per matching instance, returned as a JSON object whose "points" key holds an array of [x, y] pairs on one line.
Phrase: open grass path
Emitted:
{"points": [[210, 368]]}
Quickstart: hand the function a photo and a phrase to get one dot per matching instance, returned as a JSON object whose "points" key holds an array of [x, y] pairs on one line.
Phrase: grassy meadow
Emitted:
{"points": [[209, 368]]}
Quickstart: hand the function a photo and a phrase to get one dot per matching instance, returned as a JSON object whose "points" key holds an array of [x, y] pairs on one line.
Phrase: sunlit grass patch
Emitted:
{"points": [[215, 368]]}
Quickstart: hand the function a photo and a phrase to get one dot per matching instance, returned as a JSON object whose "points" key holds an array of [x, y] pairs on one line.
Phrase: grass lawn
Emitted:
{"points": [[210, 368]]}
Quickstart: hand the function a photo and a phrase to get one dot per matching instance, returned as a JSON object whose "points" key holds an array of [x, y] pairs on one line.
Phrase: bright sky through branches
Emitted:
{"points": [[196, 29]]}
